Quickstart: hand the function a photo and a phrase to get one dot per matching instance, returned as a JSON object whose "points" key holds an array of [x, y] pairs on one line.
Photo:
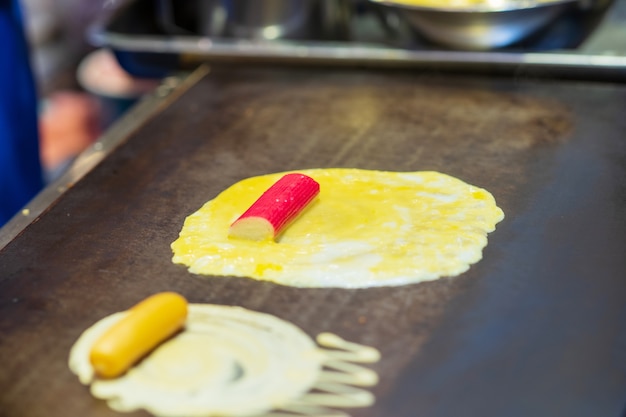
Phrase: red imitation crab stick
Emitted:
{"points": [[278, 206], [146, 325]]}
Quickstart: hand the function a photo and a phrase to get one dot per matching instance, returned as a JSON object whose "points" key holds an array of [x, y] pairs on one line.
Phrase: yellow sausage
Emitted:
{"points": [[146, 325]]}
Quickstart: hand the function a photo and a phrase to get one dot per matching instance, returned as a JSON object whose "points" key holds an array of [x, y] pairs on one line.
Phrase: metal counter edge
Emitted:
{"points": [[169, 90]]}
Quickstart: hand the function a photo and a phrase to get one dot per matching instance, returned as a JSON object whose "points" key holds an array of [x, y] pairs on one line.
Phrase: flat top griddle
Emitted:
{"points": [[537, 328]]}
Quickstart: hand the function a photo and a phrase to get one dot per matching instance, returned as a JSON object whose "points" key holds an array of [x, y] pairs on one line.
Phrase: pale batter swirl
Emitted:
{"points": [[229, 361]]}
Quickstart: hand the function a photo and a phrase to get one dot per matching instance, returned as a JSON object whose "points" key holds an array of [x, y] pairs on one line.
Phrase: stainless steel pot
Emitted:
{"points": [[258, 19], [267, 19]]}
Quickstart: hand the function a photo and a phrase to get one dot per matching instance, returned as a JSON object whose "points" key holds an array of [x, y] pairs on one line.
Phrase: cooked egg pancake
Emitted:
{"points": [[365, 229]]}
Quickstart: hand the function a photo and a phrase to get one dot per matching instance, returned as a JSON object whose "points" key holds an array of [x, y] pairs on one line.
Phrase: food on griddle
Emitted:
{"points": [[145, 326], [229, 361], [276, 208], [367, 228]]}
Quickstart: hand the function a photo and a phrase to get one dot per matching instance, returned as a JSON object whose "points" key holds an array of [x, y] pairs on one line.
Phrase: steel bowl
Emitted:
{"points": [[478, 25]]}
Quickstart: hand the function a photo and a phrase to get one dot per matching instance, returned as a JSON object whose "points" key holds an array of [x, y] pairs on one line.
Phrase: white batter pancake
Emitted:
{"points": [[229, 361]]}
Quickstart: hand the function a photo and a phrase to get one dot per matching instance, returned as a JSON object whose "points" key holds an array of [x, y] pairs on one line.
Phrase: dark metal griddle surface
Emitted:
{"points": [[537, 328]]}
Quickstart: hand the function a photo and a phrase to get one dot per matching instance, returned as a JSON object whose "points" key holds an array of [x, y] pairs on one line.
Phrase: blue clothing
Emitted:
{"points": [[20, 168]]}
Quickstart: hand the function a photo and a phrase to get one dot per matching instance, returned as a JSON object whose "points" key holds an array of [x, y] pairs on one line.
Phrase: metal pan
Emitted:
{"points": [[579, 44], [478, 25]]}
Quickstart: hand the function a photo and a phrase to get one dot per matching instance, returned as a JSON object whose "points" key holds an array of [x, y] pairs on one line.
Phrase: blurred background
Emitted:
{"points": [[82, 90], [72, 79]]}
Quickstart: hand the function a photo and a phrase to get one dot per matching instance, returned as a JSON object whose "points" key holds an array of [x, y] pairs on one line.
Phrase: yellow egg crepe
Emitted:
{"points": [[365, 229]]}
